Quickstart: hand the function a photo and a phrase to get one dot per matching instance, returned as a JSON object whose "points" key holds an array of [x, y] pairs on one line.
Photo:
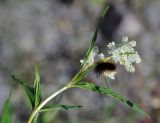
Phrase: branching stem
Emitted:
{"points": [[34, 113]]}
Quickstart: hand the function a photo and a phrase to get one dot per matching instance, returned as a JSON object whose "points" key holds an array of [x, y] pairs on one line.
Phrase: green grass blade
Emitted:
{"points": [[59, 107], [37, 88], [111, 93], [28, 90], [6, 116]]}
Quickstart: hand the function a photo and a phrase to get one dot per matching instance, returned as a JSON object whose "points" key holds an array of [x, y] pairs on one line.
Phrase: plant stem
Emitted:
{"points": [[83, 72], [34, 113], [79, 76]]}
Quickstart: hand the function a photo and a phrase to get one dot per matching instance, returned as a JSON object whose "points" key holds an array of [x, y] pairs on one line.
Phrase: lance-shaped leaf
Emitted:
{"points": [[82, 73], [111, 93], [37, 88], [59, 107], [6, 116], [94, 38], [29, 91]]}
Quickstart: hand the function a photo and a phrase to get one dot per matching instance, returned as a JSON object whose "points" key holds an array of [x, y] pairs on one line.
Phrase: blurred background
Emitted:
{"points": [[56, 33]]}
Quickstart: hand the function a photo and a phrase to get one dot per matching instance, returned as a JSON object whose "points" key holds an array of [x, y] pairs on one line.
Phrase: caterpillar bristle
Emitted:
{"points": [[103, 67]]}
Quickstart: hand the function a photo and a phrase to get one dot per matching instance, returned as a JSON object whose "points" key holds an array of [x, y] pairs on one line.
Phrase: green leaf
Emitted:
{"points": [[94, 38], [111, 93], [29, 91], [34, 95], [83, 72], [104, 12], [92, 44], [59, 107], [6, 116], [37, 88]]}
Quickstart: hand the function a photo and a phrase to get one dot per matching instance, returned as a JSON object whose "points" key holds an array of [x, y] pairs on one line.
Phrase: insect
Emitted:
{"points": [[105, 69]]}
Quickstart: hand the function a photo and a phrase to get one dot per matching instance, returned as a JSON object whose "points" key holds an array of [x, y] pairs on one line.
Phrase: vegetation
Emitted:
{"points": [[122, 53]]}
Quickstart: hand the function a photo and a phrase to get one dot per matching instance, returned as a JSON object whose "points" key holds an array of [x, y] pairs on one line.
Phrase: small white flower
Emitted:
{"points": [[125, 39], [101, 56], [82, 61], [130, 68], [93, 56], [132, 43], [111, 47], [124, 53]]}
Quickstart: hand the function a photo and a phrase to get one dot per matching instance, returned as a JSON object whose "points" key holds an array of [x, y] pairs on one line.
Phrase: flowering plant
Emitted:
{"points": [[122, 53]]}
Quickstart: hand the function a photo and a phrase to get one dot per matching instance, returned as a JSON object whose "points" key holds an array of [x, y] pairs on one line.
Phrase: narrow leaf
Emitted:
{"points": [[29, 91], [6, 116], [111, 93], [104, 12], [59, 107], [92, 44], [37, 88]]}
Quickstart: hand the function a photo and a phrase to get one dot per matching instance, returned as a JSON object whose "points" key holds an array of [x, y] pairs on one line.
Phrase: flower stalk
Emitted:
{"points": [[36, 111]]}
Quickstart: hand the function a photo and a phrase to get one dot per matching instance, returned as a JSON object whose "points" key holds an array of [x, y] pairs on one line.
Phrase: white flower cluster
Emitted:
{"points": [[124, 53], [93, 56]]}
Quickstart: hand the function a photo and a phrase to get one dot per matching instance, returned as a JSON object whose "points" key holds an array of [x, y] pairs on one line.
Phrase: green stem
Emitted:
{"points": [[34, 113], [85, 70], [79, 76]]}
